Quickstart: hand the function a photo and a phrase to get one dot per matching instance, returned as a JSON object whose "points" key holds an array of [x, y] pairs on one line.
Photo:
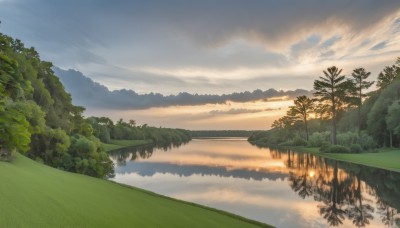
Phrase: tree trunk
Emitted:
{"points": [[359, 111], [334, 142], [391, 139], [306, 126]]}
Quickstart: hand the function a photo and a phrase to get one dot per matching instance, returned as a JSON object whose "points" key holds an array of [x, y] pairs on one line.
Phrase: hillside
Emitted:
{"points": [[36, 195]]}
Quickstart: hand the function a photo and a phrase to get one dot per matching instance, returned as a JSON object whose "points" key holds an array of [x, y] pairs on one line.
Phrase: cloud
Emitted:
{"points": [[88, 93], [225, 45], [235, 111], [379, 46]]}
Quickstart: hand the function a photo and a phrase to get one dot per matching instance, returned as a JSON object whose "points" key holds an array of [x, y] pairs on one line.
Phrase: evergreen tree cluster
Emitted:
{"points": [[342, 112]]}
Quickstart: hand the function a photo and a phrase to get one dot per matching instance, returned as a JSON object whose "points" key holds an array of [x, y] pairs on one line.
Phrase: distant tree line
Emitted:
{"points": [[105, 130], [343, 116], [37, 118], [221, 133]]}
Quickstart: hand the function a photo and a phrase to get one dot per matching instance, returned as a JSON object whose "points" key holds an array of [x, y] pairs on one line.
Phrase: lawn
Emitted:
{"points": [[118, 144], [35, 195], [385, 158]]}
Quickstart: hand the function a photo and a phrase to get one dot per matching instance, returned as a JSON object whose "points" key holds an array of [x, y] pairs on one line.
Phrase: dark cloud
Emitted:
{"points": [[88, 93], [113, 41]]}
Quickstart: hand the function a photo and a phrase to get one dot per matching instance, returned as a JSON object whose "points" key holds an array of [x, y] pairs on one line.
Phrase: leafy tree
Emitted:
{"points": [[388, 75], [14, 133], [393, 120], [301, 110], [331, 90], [132, 123], [376, 123], [359, 83]]}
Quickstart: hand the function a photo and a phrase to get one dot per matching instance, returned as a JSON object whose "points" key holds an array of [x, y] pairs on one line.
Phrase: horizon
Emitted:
{"points": [[207, 47]]}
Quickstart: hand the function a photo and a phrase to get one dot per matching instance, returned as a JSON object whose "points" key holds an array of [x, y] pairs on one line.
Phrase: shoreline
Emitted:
{"points": [[383, 159]]}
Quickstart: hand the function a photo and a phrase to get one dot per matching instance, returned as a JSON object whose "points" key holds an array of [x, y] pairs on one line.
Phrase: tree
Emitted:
{"points": [[132, 123], [14, 133], [301, 110], [393, 120], [359, 84], [388, 75], [331, 90], [377, 123]]}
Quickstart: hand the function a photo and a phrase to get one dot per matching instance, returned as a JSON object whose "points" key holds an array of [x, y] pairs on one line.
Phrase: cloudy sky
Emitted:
{"points": [[207, 47]]}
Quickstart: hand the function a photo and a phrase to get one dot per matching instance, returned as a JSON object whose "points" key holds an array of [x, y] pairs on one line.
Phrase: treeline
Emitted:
{"points": [[37, 117], [221, 133], [105, 130], [342, 116]]}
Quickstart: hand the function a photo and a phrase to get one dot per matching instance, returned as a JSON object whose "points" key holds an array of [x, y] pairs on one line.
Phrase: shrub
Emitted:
{"points": [[367, 142], [287, 143], [356, 148], [318, 138], [347, 138], [298, 141], [324, 147], [338, 149]]}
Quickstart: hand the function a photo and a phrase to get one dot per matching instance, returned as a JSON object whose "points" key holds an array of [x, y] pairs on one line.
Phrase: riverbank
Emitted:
{"points": [[36, 195], [388, 159], [118, 144]]}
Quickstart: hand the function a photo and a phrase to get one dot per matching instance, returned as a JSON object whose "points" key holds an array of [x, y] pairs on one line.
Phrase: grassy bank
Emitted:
{"points": [[385, 158], [35, 195], [118, 144]]}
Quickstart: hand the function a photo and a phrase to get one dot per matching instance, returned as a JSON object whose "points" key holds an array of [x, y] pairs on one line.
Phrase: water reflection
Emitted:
{"points": [[259, 183], [343, 188]]}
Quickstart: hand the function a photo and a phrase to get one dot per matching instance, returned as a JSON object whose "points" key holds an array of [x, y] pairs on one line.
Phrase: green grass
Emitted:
{"points": [[384, 158], [35, 195], [118, 144]]}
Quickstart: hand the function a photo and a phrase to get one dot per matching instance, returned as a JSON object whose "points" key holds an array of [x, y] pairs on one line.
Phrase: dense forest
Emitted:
{"points": [[37, 118], [344, 115]]}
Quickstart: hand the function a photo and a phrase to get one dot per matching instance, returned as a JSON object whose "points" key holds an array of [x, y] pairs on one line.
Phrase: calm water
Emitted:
{"points": [[282, 188]]}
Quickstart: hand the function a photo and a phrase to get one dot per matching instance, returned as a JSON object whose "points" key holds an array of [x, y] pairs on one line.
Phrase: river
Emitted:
{"points": [[279, 187]]}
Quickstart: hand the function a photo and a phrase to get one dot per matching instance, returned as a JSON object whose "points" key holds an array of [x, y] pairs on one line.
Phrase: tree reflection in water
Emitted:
{"points": [[136, 152], [340, 188]]}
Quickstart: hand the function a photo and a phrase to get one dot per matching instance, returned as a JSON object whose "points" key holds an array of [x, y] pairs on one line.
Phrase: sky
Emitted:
{"points": [[207, 47]]}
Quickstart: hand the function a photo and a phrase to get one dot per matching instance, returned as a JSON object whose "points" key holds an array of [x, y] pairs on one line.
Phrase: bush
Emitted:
{"points": [[367, 142], [324, 147], [338, 149], [298, 141], [318, 138], [356, 148], [287, 143], [347, 138]]}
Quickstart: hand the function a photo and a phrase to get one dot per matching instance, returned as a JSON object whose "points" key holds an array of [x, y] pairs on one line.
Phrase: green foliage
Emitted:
{"points": [[89, 157], [51, 146], [347, 138], [389, 74], [355, 148], [33, 113], [367, 142], [393, 117], [377, 126], [37, 115], [301, 110], [337, 149], [318, 138], [14, 129], [325, 146], [299, 141], [331, 91]]}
